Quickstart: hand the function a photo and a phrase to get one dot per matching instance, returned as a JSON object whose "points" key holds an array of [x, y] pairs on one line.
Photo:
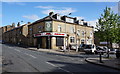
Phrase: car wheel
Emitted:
{"points": [[96, 52], [117, 56]]}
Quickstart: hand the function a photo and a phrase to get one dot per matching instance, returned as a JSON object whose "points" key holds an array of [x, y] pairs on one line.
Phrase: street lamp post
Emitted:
{"points": [[66, 34], [64, 48]]}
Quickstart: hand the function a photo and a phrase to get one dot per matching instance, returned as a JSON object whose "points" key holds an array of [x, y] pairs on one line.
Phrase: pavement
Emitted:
{"points": [[58, 51], [111, 62]]}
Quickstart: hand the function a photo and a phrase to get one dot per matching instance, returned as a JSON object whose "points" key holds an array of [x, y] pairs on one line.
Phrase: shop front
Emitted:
{"points": [[50, 40]]}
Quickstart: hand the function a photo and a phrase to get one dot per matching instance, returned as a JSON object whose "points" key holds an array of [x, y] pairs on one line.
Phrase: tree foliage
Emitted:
{"points": [[108, 27]]}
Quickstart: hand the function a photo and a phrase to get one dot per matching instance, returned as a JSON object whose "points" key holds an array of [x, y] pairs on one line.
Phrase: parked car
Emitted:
{"points": [[112, 51], [106, 48], [2, 42], [90, 48], [73, 46], [100, 49], [81, 47], [118, 53]]}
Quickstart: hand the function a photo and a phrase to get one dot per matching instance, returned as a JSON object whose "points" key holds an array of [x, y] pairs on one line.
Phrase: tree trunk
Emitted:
{"points": [[111, 44], [119, 45]]}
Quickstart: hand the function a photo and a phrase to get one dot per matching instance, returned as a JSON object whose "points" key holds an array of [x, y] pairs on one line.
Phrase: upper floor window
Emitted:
{"points": [[78, 32], [58, 17], [91, 33], [72, 29], [69, 20], [30, 30], [83, 33], [40, 28], [59, 28], [72, 39], [20, 32]]}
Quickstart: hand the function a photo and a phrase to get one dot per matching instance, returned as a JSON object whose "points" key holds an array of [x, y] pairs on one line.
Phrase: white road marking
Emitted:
{"points": [[17, 50], [58, 67], [50, 64], [9, 47], [30, 55]]}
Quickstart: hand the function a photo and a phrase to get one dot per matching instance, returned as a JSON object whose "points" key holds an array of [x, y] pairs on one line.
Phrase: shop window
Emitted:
{"points": [[72, 39], [59, 41]]}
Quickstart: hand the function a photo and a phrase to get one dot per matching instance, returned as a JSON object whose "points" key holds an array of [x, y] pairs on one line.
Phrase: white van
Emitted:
{"points": [[90, 48]]}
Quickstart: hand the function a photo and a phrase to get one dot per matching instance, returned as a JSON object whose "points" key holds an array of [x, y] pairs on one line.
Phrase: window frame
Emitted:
{"points": [[72, 39]]}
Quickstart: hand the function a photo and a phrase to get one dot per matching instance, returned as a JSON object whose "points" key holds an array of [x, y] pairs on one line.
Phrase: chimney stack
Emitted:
{"points": [[51, 13], [29, 23], [13, 24], [18, 24]]}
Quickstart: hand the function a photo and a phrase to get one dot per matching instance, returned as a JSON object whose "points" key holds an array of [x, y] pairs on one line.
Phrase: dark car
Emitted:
{"points": [[2, 42], [81, 47], [118, 53]]}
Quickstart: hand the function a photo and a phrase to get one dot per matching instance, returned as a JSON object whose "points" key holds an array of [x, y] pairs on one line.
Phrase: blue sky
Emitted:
{"points": [[31, 11]]}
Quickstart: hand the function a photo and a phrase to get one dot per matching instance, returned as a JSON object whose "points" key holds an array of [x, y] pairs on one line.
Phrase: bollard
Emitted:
{"points": [[101, 57]]}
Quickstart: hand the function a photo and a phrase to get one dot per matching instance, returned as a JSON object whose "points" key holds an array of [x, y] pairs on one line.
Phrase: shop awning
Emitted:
{"points": [[50, 34]]}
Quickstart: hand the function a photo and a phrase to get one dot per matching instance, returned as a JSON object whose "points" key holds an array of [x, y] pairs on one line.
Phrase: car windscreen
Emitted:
{"points": [[88, 46]]}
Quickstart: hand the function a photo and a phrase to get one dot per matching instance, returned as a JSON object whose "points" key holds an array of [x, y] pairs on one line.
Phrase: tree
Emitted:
{"points": [[104, 25], [108, 27], [117, 30]]}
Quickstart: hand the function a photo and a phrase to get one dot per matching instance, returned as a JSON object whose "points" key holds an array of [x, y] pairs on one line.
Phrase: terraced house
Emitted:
{"points": [[54, 31], [17, 35]]}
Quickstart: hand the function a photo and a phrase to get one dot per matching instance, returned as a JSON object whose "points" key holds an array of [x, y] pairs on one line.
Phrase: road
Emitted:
{"points": [[17, 59]]}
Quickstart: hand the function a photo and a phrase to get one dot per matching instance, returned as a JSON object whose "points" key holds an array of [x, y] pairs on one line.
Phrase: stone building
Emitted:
{"points": [[55, 31], [17, 35], [52, 32], [4, 29]]}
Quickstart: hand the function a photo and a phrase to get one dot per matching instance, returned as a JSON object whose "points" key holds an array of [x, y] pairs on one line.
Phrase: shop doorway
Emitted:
{"points": [[39, 42], [48, 42]]}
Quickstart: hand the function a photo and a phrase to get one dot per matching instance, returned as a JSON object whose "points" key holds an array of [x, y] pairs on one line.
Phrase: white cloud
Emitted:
{"points": [[80, 17], [62, 11], [60, 0], [93, 23], [114, 9], [44, 7], [31, 17]]}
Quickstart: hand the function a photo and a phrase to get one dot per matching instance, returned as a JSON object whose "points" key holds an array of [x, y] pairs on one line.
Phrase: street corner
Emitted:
{"points": [[110, 63]]}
